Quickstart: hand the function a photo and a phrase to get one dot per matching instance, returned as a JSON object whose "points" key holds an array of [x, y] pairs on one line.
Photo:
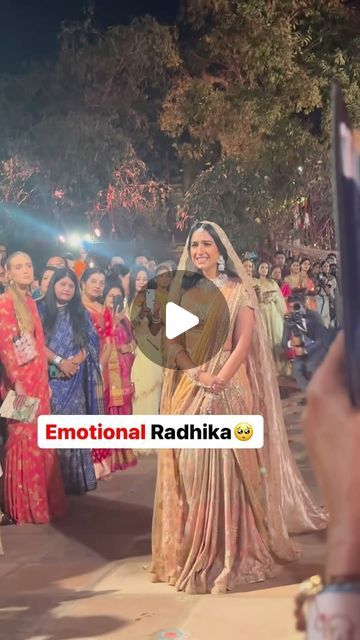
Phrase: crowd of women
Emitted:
{"points": [[221, 517], [81, 357]]}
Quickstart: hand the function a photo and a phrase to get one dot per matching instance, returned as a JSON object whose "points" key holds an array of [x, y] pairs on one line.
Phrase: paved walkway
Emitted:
{"points": [[86, 577]]}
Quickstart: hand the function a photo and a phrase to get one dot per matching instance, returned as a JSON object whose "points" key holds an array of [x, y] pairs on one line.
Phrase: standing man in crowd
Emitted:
{"points": [[279, 260]]}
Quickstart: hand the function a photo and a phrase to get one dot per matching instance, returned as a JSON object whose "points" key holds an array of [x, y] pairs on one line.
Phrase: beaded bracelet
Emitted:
{"points": [[314, 586]]}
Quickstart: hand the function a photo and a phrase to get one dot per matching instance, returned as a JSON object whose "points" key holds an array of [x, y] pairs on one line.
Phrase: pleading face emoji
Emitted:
{"points": [[243, 431]]}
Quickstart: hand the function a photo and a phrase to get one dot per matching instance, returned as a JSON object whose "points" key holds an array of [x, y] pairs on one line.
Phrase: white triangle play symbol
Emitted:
{"points": [[178, 320]]}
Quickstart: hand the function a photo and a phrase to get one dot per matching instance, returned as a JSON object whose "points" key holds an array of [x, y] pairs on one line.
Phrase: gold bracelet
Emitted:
{"points": [[308, 589]]}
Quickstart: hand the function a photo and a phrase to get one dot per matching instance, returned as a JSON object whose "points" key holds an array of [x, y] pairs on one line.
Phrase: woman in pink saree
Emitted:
{"points": [[224, 517]]}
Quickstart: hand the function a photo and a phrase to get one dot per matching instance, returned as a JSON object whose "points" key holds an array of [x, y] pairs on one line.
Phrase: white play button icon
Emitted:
{"points": [[178, 320]]}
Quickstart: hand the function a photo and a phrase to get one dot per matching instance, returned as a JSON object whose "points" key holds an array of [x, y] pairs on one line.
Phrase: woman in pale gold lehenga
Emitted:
{"points": [[223, 517]]}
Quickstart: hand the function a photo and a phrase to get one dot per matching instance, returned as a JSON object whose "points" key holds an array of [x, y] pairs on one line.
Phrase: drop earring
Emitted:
{"points": [[221, 264]]}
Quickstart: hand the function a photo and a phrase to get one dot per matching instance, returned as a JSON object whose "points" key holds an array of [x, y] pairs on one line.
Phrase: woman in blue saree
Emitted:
{"points": [[75, 379]]}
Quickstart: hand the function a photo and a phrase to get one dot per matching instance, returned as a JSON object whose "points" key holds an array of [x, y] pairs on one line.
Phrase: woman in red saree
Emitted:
{"points": [[106, 461], [284, 286], [33, 488]]}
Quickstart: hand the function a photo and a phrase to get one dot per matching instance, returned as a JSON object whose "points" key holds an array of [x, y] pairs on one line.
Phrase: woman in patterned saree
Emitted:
{"points": [[34, 490], [72, 347], [223, 517], [106, 461]]}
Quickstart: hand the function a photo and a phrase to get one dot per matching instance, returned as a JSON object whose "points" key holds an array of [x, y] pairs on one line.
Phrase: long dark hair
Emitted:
{"points": [[134, 272], [191, 280], [306, 259], [53, 269], [90, 271], [268, 277], [113, 283], [75, 309]]}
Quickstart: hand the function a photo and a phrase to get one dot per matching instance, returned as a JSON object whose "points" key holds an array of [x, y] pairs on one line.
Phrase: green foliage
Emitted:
{"points": [[236, 95], [78, 118], [256, 91]]}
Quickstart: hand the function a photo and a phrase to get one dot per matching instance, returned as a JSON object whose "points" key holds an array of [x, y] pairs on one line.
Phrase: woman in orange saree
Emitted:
{"points": [[34, 489], [224, 517], [308, 284]]}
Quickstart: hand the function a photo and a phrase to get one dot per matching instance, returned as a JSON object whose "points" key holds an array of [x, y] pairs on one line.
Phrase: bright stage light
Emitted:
{"points": [[75, 240], [62, 239], [97, 232]]}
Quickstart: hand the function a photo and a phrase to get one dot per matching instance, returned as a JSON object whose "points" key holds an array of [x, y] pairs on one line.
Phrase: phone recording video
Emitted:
{"points": [[118, 303], [150, 298]]}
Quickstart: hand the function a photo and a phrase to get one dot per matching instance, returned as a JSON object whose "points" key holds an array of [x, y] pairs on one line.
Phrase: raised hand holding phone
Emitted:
{"points": [[346, 184], [150, 298]]}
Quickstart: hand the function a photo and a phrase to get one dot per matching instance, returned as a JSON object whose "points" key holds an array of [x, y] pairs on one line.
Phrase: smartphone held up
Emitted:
{"points": [[150, 298], [118, 303]]}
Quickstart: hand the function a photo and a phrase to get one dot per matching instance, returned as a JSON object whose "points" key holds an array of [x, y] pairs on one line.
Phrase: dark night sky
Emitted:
{"points": [[29, 28]]}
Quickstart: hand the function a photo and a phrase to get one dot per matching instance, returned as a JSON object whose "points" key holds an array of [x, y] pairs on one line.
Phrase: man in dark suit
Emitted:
{"points": [[305, 333]]}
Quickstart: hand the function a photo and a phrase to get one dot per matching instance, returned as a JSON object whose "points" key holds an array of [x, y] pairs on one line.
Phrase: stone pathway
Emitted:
{"points": [[86, 577]]}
